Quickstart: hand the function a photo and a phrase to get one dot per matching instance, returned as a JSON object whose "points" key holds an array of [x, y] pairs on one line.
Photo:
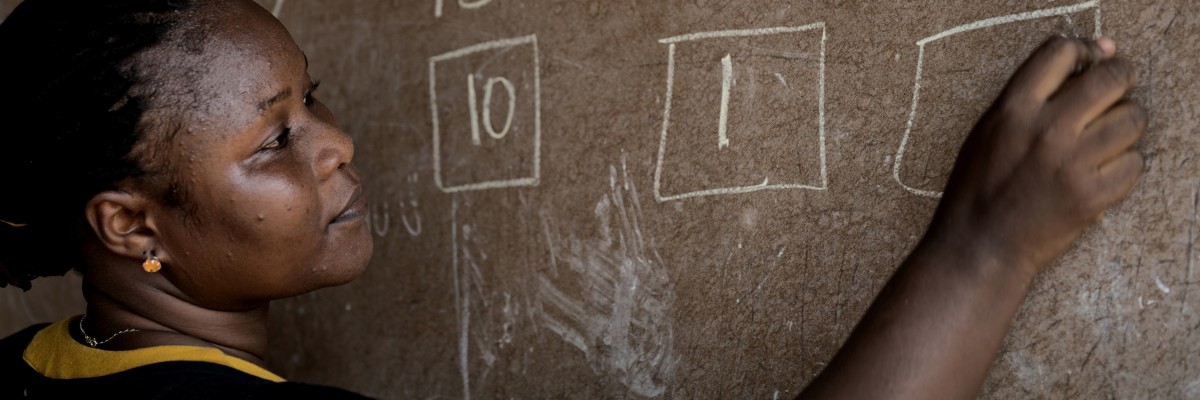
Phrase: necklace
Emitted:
{"points": [[92, 341]]}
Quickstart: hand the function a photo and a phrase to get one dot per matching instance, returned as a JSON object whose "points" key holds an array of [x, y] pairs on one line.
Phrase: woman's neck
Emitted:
{"points": [[163, 318]]}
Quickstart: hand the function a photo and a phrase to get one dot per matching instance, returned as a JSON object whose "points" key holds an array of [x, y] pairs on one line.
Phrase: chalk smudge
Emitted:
{"points": [[487, 314], [462, 303], [616, 309]]}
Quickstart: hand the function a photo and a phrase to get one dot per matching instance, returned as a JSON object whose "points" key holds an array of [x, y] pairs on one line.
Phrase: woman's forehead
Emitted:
{"points": [[248, 57]]}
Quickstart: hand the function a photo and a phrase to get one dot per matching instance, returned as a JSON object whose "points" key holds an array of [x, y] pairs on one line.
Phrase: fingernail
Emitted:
{"points": [[1107, 45]]}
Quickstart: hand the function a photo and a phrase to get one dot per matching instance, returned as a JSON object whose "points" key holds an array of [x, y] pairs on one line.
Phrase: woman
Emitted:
{"points": [[196, 145], [207, 181]]}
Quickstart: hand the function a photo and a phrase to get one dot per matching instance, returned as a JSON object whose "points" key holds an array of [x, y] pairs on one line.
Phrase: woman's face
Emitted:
{"points": [[276, 209]]}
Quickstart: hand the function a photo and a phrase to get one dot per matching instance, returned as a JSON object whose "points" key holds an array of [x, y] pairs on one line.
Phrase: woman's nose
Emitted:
{"points": [[335, 151]]}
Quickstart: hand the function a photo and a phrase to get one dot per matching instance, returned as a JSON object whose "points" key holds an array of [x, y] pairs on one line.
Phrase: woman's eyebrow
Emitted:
{"points": [[278, 97], [282, 95]]}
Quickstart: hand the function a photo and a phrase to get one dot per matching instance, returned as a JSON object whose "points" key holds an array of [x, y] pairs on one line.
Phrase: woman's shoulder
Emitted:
{"points": [[181, 380], [12, 349], [16, 343], [178, 380], [13, 369], [20, 377]]}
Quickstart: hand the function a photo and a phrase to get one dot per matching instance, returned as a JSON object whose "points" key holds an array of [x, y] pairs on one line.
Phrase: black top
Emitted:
{"points": [[165, 380]]}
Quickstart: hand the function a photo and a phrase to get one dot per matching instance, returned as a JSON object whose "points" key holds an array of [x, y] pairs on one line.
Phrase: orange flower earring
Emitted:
{"points": [[152, 264]]}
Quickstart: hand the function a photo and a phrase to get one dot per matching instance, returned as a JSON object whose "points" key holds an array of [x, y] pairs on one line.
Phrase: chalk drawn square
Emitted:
{"points": [[744, 112], [960, 72], [486, 104]]}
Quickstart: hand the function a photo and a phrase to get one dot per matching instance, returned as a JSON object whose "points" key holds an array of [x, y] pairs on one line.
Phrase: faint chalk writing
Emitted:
{"points": [[379, 219], [411, 225], [379, 216]]}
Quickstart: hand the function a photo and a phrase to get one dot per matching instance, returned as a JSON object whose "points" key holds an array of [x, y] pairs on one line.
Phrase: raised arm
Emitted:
{"points": [[1042, 164]]}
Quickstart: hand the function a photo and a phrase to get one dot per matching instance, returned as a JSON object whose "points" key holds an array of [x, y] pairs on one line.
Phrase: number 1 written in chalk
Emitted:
{"points": [[726, 85]]}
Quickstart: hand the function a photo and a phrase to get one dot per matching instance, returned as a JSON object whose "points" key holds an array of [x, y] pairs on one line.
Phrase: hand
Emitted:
{"points": [[1047, 158]]}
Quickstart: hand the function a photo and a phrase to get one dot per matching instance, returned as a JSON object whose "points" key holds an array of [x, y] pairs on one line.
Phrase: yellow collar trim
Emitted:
{"points": [[55, 355]]}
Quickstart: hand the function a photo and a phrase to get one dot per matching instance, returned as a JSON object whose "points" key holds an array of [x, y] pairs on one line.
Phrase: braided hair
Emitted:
{"points": [[70, 117]]}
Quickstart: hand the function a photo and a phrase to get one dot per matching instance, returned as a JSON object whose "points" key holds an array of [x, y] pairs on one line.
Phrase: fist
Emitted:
{"points": [[1048, 158]]}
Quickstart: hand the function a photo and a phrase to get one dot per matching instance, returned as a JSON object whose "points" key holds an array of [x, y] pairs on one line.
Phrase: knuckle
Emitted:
{"points": [[1042, 146], [1014, 105], [1091, 203], [1045, 150], [1117, 72], [1076, 178], [1081, 175], [1137, 117], [1139, 164], [1096, 52], [1130, 71], [1059, 128]]}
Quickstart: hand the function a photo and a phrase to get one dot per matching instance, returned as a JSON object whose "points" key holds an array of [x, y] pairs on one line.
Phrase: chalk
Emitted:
{"points": [[1161, 286], [535, 178], [727, 64], [473, 110], [413, 231], [741, 33], [487, 106], [439, 5], [1006, 19], [1025, 16], [470, 5], [726, 83], [462, 304], [373, 220], [622, 322], [495, 44]]}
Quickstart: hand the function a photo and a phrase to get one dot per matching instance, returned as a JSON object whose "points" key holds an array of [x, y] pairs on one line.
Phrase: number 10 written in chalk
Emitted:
{"points": [[486, 113]]}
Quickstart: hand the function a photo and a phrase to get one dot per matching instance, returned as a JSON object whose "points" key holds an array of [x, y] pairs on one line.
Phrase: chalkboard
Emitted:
{"points": [[699, 199]]}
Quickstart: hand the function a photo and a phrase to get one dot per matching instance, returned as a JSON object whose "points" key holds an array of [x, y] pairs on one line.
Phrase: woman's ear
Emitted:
{"points": [[122, 224]]}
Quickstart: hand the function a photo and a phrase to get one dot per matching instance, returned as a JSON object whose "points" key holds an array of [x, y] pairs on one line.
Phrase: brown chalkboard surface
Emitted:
{"points": [[699, 199]]}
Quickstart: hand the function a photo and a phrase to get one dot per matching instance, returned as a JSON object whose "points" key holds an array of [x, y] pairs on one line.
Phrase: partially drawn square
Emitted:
{"points": [[486, 105], [960, 72], [744, 111]]}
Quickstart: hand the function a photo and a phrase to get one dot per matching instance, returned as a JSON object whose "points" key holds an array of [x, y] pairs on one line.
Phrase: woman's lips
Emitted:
{"points": [[355, 208]]}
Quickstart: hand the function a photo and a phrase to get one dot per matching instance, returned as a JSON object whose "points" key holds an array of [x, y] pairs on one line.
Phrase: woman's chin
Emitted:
{"points": [[347, 275], [345, 268], [351, 266]]}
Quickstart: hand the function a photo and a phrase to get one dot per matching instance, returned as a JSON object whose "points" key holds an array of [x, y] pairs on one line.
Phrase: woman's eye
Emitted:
{"points": [[308, 97], [280, 141]]}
